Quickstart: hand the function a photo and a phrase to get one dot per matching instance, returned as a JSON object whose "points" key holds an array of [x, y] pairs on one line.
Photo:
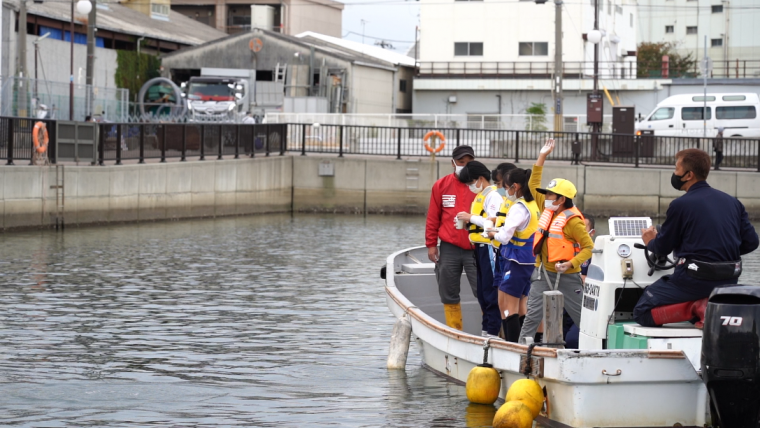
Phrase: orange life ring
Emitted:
{"points": [[438, 135], [40, 141]]}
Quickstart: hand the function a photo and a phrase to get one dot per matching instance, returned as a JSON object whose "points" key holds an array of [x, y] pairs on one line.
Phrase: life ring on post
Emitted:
{"points": [[40, 137], [439, 136]]}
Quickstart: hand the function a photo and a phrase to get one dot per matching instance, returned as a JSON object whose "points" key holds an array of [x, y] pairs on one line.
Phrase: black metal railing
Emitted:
{"points": [[120, 142], [16, 138], [622, 149]]}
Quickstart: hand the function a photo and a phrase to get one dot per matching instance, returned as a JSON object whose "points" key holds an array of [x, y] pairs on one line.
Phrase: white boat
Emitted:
{"points": [[603, 384]]}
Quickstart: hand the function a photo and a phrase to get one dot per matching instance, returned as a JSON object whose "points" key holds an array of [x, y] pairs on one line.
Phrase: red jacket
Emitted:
{"points": [[448, 198]]}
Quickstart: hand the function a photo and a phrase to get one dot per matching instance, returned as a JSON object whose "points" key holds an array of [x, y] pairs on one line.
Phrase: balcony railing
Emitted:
{"points": [[733, 69]]}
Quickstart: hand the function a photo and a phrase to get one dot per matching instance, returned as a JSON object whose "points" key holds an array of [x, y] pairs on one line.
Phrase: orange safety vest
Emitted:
{"points": [[560, 249]]}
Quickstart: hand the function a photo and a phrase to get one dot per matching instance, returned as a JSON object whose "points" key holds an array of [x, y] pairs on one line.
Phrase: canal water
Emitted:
{"points": [[265, 321]]}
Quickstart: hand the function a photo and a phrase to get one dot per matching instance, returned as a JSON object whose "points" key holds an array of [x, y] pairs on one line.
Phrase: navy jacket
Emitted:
{"points": [[707, 225]]}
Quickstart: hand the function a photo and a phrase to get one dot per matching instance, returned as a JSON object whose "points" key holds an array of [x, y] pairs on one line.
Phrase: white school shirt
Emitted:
{"points": [[491, 206], [518, 218]]}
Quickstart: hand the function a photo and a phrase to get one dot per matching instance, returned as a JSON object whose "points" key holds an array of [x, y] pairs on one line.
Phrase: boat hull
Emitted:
{"points": [[585, 388]]}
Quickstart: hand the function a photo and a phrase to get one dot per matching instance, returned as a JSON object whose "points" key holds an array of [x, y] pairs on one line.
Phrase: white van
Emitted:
{"points": [[681, 115]]}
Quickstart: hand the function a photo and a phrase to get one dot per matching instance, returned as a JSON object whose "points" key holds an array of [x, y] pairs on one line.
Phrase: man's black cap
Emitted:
{"points": [[462, 151]]}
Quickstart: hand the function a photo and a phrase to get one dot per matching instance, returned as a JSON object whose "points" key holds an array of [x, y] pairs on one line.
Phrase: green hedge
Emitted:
{"points": [[133, 70]]}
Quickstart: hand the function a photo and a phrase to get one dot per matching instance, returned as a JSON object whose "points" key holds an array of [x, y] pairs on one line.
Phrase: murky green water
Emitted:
{"points": [[258, 321]]}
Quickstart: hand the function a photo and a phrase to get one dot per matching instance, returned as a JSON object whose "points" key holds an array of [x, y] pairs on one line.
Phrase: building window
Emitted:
{"points": [[402, 85], [691, 30], [669, 29], [619, 9], [534, 48], [609, 7], [631, 20], [717, 8], [158, 10], [468, 49], [716, 43]]}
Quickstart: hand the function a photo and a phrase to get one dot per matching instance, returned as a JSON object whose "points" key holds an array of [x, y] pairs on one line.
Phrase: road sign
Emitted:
{"points": [[256, 44], [706, 65]]}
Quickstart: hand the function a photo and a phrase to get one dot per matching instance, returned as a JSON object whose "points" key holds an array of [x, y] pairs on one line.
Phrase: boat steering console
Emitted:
{"points": [[656, 261]]}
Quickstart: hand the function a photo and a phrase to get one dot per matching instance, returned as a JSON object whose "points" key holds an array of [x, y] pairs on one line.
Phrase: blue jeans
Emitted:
{"points": [[488, 295]]}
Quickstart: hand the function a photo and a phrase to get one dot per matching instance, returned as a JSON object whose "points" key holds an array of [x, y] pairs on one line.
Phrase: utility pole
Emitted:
{"points": [[596, 127], [558, 69], [363, 24], [90, 57], [71, 66], [21, 69]]}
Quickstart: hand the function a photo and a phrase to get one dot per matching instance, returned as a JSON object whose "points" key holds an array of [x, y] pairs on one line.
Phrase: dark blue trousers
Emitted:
{"points": [[671, 289], [488, 293]]}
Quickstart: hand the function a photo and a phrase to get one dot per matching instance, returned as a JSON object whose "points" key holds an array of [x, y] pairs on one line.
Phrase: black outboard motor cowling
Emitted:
{"points": [[731, 356]]}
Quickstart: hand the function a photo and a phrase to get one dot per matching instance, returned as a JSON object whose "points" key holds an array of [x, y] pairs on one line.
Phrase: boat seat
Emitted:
{"points": [[682, 329], [418, 268]]}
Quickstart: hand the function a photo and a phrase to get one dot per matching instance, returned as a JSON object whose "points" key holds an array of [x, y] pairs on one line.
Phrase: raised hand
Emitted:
{"points": [[548, 147]]}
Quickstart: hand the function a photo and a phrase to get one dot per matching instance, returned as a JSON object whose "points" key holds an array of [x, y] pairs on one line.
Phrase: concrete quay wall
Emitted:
{"points": [[307, 184], [160, 191], [386, 185]]}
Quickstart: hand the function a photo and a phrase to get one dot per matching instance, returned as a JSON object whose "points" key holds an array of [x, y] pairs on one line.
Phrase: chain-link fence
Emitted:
{"points": [[23, 97]]}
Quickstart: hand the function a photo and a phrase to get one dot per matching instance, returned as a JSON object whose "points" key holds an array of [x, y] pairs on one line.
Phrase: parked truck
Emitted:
{"points": [[227, 94]]}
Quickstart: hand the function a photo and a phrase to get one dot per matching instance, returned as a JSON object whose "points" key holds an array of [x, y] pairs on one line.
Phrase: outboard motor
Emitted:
{"points": [[731, 356]]}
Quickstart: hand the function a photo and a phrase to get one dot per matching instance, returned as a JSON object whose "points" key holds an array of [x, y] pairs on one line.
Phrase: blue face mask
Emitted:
{"points": [[502, 191]]}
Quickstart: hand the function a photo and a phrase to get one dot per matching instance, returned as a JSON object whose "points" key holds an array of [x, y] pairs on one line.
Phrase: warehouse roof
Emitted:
{"points": [[115, 17], [367, 50]]}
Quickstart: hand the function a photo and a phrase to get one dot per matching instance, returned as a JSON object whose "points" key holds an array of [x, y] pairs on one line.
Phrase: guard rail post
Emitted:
{"points": [[283, 139], [517, 146], [237, 141], [118, 144], [457, 137], [163, 143], [10, 141], [266, 139], [101, 145], [141, 127], [398, 144], [203, 142], [637, 145], [758, 155], [220, 143], [184, 143], [340, 146], [303, 140]]}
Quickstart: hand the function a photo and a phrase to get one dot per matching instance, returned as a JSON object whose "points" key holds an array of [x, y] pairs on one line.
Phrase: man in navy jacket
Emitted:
{"points": [[708, 231]]}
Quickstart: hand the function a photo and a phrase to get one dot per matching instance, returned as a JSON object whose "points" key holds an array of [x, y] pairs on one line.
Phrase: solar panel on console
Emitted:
{"points": [[628, 226]]}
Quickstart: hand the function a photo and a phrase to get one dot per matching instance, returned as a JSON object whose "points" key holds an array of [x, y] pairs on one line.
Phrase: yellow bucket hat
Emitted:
{"points": [[561, 187]]}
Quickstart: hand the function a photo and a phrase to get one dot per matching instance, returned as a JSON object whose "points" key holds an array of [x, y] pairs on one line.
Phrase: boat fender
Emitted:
{"points": [[483, 382], [528, 392], [399, 349], [513, 414]]}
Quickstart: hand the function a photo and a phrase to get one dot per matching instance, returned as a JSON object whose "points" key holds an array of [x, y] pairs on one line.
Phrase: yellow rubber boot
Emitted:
{"points": [[453, 314]]}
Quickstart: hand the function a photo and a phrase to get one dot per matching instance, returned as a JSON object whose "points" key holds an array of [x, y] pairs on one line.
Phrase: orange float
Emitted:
{"points": [[40, 137], [439, 136]]}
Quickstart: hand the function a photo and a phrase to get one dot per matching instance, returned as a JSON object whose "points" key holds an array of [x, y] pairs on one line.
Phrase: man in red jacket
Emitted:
{"points": [[449, 197]]}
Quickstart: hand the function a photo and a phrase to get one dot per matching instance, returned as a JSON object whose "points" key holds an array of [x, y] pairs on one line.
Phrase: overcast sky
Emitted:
{"points": [[394, 22]]}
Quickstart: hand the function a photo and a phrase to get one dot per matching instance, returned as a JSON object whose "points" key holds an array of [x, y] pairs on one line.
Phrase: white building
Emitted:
{"points": [[495, 33], [686, 23], [497, 57]]}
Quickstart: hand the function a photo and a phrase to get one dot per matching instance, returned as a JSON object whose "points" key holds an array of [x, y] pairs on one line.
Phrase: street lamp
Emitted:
{"points": [[83, 7]]}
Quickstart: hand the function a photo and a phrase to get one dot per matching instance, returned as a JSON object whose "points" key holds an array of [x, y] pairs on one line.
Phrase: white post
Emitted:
{"points": [[704, 72], [399, 348]]}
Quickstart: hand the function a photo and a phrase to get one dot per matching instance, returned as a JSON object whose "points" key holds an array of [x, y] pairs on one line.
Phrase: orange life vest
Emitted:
{"points": [[551, 230]]}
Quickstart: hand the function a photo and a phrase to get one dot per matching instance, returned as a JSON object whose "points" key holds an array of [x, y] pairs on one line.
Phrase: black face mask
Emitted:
{"points": [[675, 180]]}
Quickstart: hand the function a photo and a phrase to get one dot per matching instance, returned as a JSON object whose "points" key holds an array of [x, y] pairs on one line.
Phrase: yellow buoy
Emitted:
{"points": [[483, 384], [528, 392], [513, 414]]}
